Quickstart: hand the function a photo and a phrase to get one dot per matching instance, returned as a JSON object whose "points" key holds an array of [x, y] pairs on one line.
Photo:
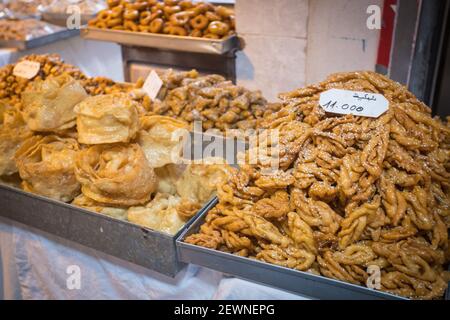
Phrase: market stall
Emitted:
{"points": [[180, 180]]}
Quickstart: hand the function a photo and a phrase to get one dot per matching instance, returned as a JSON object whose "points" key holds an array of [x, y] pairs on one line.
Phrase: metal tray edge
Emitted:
{"points": [[178, 43]]}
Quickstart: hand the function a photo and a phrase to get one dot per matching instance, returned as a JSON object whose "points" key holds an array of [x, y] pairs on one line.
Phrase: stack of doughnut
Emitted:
{"points": [[173, 17]]}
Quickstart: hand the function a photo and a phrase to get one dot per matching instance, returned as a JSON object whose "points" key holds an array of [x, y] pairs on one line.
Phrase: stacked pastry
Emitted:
{"points": [[350, 193], [102, 152]]}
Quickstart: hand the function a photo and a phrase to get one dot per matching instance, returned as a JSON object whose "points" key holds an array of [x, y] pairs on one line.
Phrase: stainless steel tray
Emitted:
{"points": [[298, 282], [40, 41], [161, 41], [142, 246], [60, 19]]}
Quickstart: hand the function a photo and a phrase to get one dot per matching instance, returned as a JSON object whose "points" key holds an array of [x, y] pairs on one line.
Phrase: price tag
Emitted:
{"points": [[26, 69], [152, 85], [364, 104]]}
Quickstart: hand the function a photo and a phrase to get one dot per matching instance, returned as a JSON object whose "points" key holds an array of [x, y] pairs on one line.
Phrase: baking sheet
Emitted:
{"points": [[153, 40], [142, 246], [40, 41], [316, 287]]}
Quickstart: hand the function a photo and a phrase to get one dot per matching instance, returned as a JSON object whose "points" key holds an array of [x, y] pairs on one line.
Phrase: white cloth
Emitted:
{"points": [[33, 265]]}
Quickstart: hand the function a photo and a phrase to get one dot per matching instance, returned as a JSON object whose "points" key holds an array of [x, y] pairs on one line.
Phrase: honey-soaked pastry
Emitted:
{"points": [[13, 132], [49, 105], [161, 138], [159, 214], [115, 174], [199, 181], [351, 193], [89, 204], [107, 118], [46, 165]]}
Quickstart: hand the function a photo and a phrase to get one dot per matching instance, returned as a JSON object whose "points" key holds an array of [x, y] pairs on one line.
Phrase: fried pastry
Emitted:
{"points": [[353, 192], [46, 165], [115, 174], [161, 138], [107, 118], [159, 214], [49, 105]]}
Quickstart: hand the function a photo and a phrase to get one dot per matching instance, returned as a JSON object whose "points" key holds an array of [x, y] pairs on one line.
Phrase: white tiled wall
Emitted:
{"points": [[274, 57], [291, 43]]}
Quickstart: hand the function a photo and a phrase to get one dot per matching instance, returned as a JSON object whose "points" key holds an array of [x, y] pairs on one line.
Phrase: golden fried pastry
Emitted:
{"points": [[159, 214], [353, 192], [199, 181], [49, 105], [13, 132], [115, 174], [168, 176], [107, 118], [89, 204], [46, 166], [161, 138]]}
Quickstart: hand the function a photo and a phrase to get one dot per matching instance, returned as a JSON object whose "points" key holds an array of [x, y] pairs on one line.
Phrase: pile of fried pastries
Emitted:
{"points": [[351, 192], [211, 99], [102, 152], [172, 17], [27, 29]]}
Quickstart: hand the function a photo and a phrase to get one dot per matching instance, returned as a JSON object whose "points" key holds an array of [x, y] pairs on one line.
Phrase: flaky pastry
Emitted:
{"points": [[46, 166]]}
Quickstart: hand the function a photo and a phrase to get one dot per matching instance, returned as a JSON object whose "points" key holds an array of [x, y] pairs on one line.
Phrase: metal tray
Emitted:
{"points": [[40, 41], [142, 246], [298, 282], [60, 19], [161, 41]]}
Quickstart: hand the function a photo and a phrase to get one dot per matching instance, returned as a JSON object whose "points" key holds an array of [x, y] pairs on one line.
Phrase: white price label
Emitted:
{"points": [[152, 85], [364, 104], [26, 69]]}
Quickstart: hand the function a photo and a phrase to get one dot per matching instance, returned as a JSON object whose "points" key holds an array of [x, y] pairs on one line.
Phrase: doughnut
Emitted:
{"points": [[113, 3], [224, 12], [156, 25], [116, 12], [145, 18], [158, 6], [118, 28], [131, 14], [141, 5], [219, 28], [200, 22], [211, 36], [158, 13], [168, 11], [185, 4], [196, 33], [103, 15], [175, 30], [171, 2], [130, 25], [212, 16], [180, 18], [144, 28], [113, 22], [102, 25], [93, 22]]}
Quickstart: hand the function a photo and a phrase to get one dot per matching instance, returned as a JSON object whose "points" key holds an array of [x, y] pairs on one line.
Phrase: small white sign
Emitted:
{"points": [[364, 104], [26, 69], [152, 85]]}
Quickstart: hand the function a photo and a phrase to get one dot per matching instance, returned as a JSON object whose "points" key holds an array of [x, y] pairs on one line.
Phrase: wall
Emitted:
{"points": [[291, 43]]}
